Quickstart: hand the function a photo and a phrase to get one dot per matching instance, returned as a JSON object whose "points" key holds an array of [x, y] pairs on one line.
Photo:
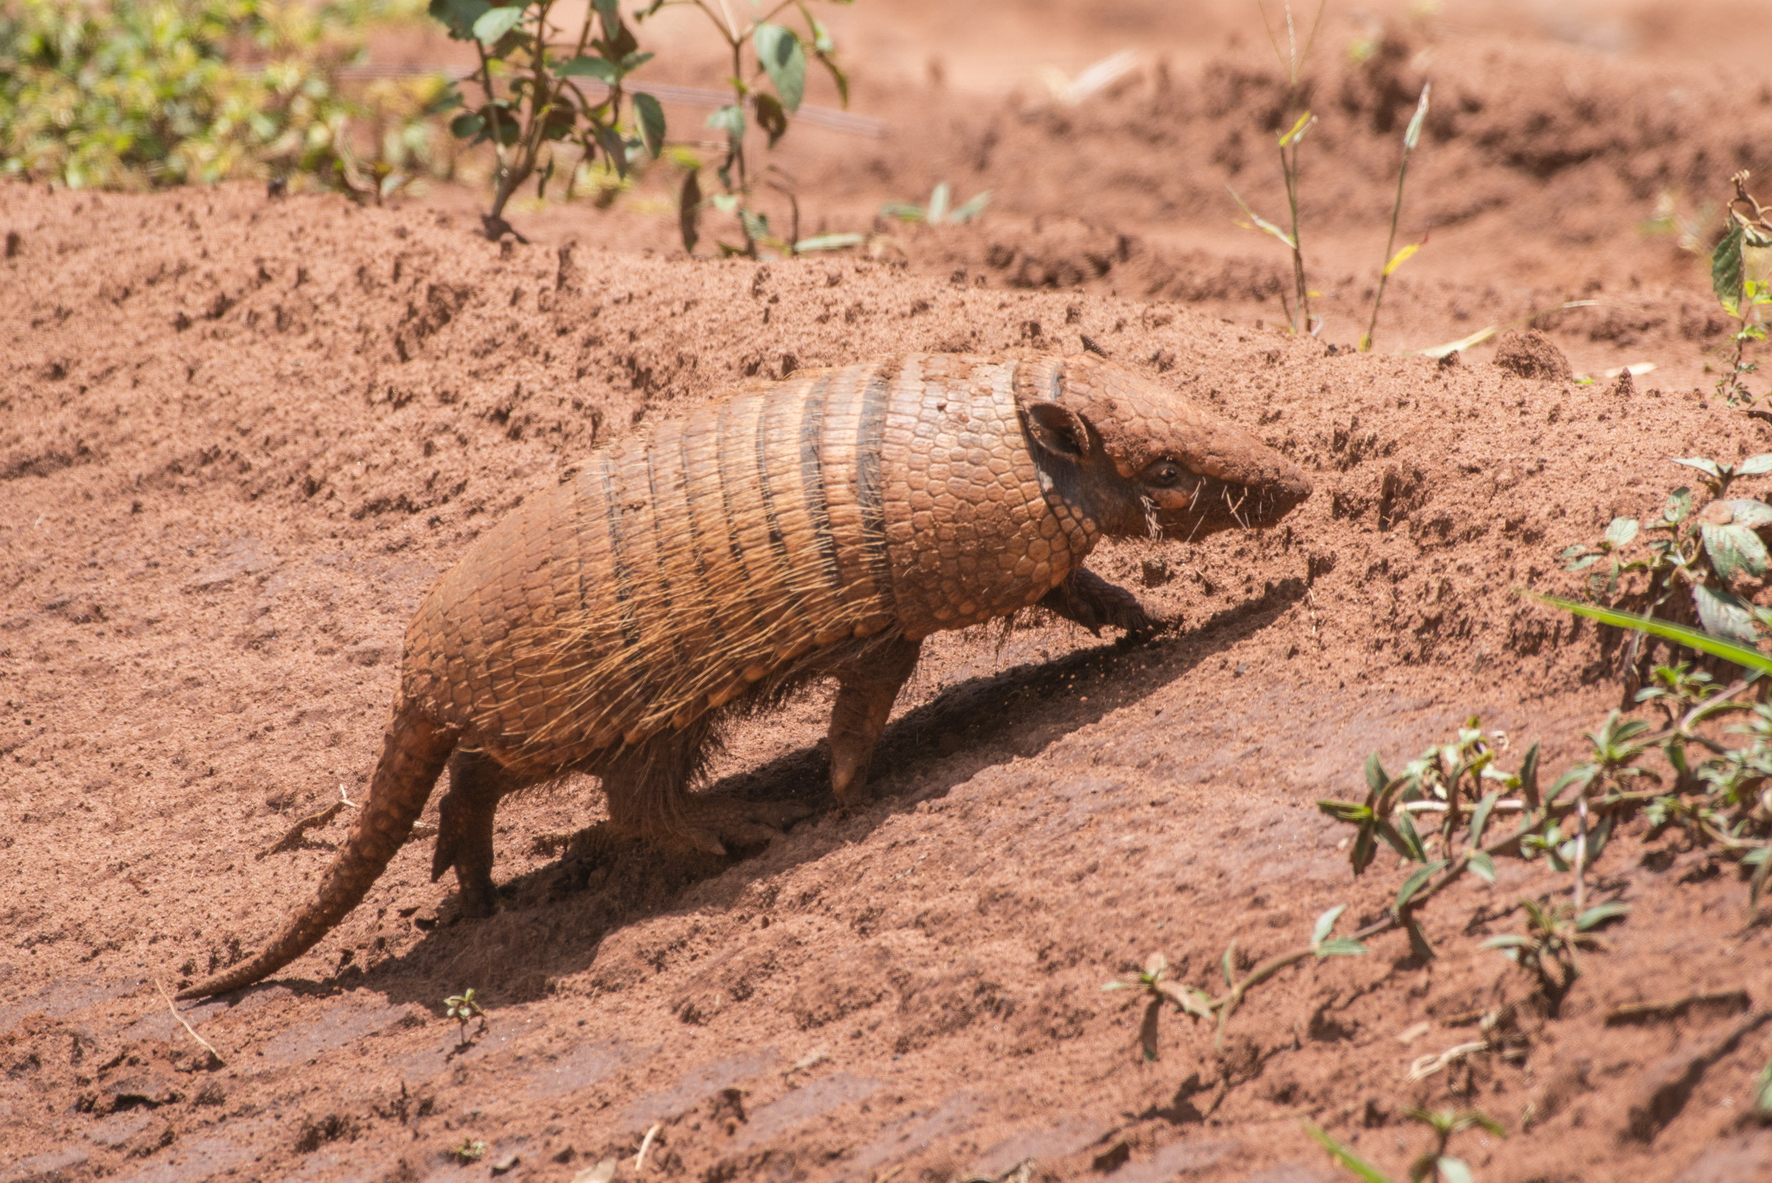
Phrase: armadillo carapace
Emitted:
{"points": [[822, 526]]}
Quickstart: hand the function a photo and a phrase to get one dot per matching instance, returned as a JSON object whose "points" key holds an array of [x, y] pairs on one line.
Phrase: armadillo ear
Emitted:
{"points": [[1057, 429]]}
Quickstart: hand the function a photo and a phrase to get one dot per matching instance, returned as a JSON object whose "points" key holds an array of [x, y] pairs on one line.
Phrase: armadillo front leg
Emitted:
{"points": [[865, 694], [1092, 602]]}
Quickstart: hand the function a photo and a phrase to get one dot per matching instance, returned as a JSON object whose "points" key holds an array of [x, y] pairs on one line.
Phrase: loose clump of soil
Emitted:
{"points": [[240, 439]]}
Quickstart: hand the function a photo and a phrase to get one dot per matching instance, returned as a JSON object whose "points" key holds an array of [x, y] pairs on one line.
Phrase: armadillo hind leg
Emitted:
{"points": [[647, 785], [464, 826], [414, 749], [865, 694], [1093, 602]]}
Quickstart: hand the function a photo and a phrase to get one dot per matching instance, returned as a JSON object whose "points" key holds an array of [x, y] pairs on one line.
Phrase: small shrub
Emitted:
{"points": [[142, 93]]}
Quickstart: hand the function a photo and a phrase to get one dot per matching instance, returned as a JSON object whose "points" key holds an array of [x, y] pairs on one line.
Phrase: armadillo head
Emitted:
{"points": [[1138, 458]]}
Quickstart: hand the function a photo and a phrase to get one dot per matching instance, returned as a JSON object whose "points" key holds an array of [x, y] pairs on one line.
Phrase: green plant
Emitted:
{"points": [[1547, 948], [471, 1151], [1742, 295], [1711, 548], [1198, 1004], [553, 91], [1411, 135], [1763, 1093], [140, 93], [939, 211], [1434, 1164], [1298, 312], [778, 52], [462, 1008]]}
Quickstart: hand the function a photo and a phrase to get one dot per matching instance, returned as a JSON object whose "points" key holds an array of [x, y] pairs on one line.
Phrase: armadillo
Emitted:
{"points": [[822, 526]]}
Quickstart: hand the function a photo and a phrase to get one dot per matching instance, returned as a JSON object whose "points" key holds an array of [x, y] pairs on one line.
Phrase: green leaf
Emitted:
{"points": [[1341, 947], [1376, 777], [1365, 847], [609, 12], [589, 67], [1483, 867], [1228, 963], [781, 55], [1510, 940], [1755, 515], [1704, 642], [1755, 465], [1413, 133], [1706, 466], [1345, 811], [936, 212], [729, 119], [1416, 882], [464, 127], [1679, 506], [459, 16], [1452, 1170], [1412, 838], [1261, 222], [770, 117], [1725, 270], [496, 23], [1724, 614], [1529, 777], [1298, 129], [689, 210], [1621, 531], [1599, 914], [1480, 817], [970, 209], [652, 123], [1326, 924], [1342, 1155], [1734, 549], [1763, 1091], [1762, 864]]}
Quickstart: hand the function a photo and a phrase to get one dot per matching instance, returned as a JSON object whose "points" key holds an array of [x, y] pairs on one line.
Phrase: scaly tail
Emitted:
{"points": [[413, 753]]}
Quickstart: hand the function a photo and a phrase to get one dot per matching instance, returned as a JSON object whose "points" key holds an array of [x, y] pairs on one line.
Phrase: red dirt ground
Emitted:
{"points": [[239, 438]]}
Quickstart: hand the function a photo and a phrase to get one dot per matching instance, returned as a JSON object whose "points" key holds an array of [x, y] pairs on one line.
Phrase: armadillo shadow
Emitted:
{"points": [[554, 919]]}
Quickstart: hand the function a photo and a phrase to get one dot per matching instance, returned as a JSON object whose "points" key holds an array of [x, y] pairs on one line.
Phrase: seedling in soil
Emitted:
{"points": [[1710, 548], [1297, 120], [1435, 1165], [1393, 261], [462, 1008], [1744, 297], [471, 1151], [1547, 949], [940, 211], [1200, 1005], [538, 91], [759, 48]]}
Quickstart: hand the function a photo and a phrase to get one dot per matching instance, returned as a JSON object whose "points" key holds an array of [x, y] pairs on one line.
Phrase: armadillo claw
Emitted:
{"points": [[1093, 602]]}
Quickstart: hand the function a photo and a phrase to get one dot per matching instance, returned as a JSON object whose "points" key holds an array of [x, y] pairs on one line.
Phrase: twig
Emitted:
{"points": [[645, 1145], [189, 1030], [1637, 1012], [1426, 1066], [290, 840]]}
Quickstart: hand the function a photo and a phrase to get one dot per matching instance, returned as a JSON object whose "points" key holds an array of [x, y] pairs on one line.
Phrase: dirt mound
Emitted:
{"points": [[243, 438]]}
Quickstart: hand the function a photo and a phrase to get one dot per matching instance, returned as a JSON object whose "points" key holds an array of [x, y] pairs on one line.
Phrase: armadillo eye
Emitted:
{"points": [[1163, 474]]}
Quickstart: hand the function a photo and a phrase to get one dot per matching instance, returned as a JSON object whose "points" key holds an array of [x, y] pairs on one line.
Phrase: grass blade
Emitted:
{"points": [[1343, 1156], [1680, 634]]}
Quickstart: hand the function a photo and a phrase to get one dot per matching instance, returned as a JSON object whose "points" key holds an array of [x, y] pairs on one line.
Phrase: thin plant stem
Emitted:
{"points": [[1390, 243]]}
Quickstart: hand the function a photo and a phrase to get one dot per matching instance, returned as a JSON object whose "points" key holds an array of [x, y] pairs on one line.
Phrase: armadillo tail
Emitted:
{"points": [[413, 753]]}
